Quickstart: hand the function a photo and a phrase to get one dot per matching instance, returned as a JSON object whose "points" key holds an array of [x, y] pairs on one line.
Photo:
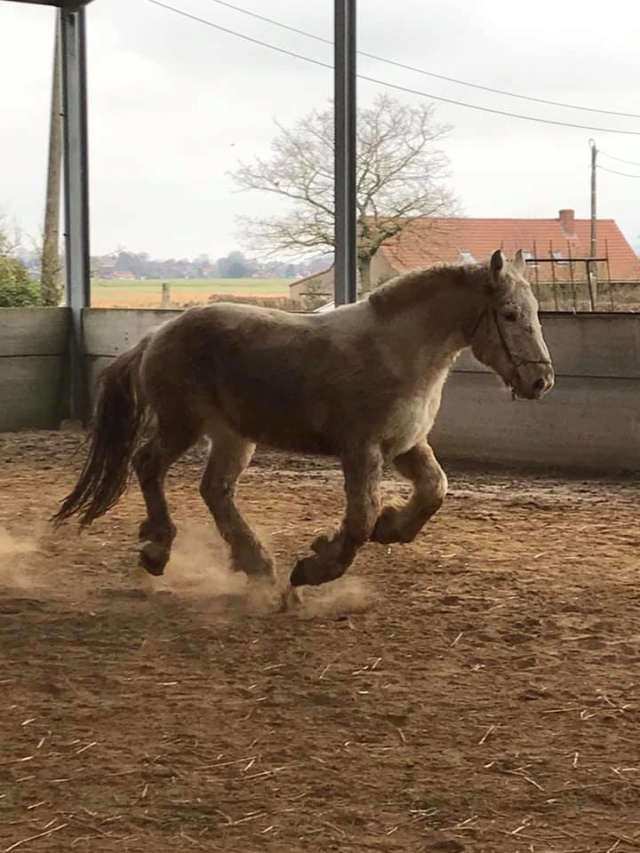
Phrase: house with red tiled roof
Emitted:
{"points": [[555, 249]]}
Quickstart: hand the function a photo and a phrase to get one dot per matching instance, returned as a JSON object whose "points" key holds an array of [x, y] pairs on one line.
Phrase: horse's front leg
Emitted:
{"points": [[403, 523], [333, 555]]}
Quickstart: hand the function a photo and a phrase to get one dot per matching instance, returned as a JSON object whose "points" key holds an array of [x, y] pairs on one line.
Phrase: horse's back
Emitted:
{"points": [[292, 381]]}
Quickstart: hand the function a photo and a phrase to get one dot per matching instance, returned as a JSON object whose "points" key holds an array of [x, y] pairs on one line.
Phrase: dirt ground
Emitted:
{"points": [[476, 691]]}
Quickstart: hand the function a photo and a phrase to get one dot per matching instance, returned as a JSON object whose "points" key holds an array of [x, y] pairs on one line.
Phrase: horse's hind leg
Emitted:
{"points": [[229, 456], [151, 463], [333, 556], [403, 523]]}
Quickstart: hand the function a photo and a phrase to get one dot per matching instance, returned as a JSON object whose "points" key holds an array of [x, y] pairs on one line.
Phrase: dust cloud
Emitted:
{"points": [[199, 569], [14, 561], [337, 598], [199, 565]]}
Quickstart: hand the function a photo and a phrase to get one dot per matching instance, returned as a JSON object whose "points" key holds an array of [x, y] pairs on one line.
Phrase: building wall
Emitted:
{"points": [[322, 284], [381, 269], [589, 422]]}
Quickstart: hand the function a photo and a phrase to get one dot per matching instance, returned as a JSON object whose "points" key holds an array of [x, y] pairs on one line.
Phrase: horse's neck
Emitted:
{"points": [[426, 317], [438, 329]]}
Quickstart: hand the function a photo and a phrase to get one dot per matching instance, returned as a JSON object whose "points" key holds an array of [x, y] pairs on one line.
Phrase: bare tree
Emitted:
{"points": [[400, 176]]}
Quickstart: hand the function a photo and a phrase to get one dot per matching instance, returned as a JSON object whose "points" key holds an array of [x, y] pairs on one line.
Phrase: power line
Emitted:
{"points": [[239, 35], [394, 86], [619, 159], [615, 172], [433, 74]]}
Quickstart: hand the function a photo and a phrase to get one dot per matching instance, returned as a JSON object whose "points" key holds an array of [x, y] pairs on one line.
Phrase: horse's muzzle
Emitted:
{"points": [[533, 381]]}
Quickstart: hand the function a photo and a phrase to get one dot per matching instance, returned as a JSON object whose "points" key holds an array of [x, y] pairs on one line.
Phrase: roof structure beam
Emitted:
{"points": [[61, 4]]}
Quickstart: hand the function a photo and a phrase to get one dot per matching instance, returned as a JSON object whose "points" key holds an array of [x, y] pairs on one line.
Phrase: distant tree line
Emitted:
{"points": [[235, 265]]}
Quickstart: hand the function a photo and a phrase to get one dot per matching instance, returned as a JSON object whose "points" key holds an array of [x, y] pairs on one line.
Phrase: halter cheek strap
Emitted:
{"points": [[515, 363]]}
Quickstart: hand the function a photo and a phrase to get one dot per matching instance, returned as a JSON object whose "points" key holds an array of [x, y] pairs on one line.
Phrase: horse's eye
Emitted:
{"points": [[510, 316]]}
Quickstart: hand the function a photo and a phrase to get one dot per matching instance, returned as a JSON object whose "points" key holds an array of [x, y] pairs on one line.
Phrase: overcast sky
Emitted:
{"points": [[174, 104]]}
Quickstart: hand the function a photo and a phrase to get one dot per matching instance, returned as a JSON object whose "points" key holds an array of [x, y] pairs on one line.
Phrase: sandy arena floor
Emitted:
{"points": [[474, 692]]}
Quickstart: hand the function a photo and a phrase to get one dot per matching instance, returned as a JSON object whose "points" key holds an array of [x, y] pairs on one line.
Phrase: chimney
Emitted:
{"points": [[567, 223]]}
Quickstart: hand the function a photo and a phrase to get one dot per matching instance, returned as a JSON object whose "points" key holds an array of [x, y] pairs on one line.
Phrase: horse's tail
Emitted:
{"points": [[117, 424]]}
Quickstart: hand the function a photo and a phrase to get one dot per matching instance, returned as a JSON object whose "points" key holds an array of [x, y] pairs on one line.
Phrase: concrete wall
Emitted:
{"points": [[590, 421], [110, 331], [33, 345]]}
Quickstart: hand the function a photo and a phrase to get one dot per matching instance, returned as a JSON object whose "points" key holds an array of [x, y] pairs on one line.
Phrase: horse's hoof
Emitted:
{"points": [[385, 531], [305, 572], [153, 559], [313, 571], [291, 598]]}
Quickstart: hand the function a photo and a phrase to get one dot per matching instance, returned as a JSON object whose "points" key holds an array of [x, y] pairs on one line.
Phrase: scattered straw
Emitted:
{"points": [[34, 837], [492, 728], [525, 777], [190, 839]]}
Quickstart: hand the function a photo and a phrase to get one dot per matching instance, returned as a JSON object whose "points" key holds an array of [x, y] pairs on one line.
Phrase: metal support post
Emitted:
{"points": [[346, 250], [76, 196]]}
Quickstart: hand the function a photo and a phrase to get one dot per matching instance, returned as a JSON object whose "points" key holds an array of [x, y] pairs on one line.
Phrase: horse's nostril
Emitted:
{"points": [[539, 385]]}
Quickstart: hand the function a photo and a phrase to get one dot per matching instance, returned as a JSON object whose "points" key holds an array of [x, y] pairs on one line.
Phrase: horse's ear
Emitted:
{"points": [[519, 263], [496, 264]]}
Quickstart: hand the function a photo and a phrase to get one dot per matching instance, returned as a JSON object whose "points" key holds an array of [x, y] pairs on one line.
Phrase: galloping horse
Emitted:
{"points": [[362, 383]]}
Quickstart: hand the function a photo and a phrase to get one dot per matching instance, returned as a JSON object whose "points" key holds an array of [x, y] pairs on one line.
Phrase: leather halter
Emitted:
{"points": [[515, 363]]}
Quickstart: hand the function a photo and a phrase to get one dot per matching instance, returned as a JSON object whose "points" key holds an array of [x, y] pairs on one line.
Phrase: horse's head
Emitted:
{"points": [[507, 336]]}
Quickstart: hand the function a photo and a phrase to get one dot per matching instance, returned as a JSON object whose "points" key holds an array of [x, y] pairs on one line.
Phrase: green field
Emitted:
{"points": [[184, 289]]}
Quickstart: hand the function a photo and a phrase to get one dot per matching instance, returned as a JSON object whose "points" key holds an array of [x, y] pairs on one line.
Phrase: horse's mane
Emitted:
{"points": [[418, 286]]}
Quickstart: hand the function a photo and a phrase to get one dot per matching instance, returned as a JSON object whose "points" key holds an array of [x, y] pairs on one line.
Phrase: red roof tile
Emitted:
{"points": [[431, 240]]}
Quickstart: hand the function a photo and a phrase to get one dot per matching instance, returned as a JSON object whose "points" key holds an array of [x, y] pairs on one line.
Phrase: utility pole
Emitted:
{"points": [[50, 269], [593, 273]]}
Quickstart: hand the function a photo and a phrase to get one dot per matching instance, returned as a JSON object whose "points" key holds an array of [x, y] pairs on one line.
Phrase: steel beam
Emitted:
{"points": [[76, 196], [346, 249]]}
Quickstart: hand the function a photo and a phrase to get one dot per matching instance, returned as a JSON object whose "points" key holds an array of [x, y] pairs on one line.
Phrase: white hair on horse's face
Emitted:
{"points": [[509, 336]]}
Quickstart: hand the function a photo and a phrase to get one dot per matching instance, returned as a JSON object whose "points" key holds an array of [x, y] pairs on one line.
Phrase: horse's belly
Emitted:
{"points": [[285, 429]]}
